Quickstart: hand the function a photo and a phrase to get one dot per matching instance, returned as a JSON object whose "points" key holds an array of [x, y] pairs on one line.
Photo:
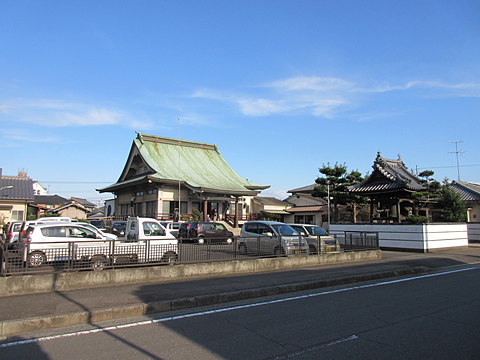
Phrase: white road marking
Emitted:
{"points": [[209, 312], [317, 347]]}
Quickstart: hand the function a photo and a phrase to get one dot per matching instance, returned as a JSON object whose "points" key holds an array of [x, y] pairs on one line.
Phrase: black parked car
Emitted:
{"points": [[200, 230], [118, 228]]}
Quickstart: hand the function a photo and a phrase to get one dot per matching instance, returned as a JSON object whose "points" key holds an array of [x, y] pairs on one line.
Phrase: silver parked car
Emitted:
{"points": [[317, 238], [271, 238]]}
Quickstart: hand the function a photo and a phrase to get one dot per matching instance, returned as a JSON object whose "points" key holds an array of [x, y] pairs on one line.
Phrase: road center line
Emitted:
{"points": [[215, 311]]}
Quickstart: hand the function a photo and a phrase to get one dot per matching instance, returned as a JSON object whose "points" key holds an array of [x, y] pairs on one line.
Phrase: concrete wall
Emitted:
{"points": [[28, 284], [473, 232], [423, 238]]}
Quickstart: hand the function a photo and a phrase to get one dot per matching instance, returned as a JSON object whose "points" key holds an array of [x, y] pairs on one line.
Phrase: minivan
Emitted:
{"points": [[200, 231], [271, 238], [317, 238]]}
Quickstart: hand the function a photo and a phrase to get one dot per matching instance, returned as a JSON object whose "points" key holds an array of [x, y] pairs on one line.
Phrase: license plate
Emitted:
{"points": [[298, 251], [329, 248]]}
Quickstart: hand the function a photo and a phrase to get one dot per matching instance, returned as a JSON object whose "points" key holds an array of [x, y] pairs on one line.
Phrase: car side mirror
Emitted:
{"points": [[269, 234], [302, 233]]}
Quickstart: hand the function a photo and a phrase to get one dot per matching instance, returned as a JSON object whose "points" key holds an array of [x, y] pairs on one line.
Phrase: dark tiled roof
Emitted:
{"points": [[468, 191], [305, 189], [84, 202], [69, 204], [265, 200], [388, 176], [50, 199], [21, 187]]}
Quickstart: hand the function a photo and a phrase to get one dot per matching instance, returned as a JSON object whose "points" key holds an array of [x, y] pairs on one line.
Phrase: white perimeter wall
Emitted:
{"points": [[414, 237], [473, 232]]}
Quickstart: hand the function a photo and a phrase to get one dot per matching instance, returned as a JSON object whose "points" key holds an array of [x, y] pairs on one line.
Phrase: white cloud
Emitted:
{"points": [[58, 113], [325, 96]]}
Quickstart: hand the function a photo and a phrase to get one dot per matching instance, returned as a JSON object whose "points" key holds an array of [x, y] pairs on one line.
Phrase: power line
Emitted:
{"points": [[74, 182], [445, 167]]}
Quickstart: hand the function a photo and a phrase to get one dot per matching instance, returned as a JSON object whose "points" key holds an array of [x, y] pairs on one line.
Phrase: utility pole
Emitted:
{"points": [[179, 171], [456, 152]]}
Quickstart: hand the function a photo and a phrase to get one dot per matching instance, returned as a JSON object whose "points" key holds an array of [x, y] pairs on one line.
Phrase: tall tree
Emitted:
{"points": [[334, 183], [452, 207], [432, 188]]}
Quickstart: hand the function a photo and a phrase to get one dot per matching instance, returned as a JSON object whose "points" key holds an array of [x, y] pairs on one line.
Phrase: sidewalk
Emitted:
{"points": [[28, 313]]}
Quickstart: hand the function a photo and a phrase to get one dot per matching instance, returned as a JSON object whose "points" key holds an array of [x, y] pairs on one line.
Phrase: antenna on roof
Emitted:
{"points": [[456, 152]]}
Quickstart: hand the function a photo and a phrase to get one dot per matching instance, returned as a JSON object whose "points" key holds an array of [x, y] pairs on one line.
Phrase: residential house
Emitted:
{"points": [[470, 194], [44, 203], [71, 209], [39, 189], [16, 193], [271, 208], [305, 208], [85, 203], [163, 174]]}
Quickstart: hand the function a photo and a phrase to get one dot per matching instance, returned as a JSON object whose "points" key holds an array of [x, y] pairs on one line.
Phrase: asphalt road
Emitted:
{"points": [[434, 316]]}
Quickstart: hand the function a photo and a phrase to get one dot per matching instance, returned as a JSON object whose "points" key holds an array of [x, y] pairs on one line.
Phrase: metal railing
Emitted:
{"points": [[33, 258], [360, 240]]}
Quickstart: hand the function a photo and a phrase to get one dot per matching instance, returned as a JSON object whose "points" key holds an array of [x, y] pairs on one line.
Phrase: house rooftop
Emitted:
{"points": [[468, 191], [16, 187]]}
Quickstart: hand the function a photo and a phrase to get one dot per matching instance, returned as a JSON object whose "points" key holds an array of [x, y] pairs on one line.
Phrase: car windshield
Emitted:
{"points": [[283, 229], [315, 230]]}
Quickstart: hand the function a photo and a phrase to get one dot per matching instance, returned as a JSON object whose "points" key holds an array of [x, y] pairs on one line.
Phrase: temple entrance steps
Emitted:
{"points": [[235, 231]]}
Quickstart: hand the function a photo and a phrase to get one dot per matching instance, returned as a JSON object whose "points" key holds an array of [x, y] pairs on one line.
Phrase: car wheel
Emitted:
{"points": [[98, 263], [201, 240], [242, 249], [170, 258], [36, 259], [279, 251]]}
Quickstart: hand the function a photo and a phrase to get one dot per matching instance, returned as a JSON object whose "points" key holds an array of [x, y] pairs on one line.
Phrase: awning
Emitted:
{"points": [[280, 212], [308, 209]]}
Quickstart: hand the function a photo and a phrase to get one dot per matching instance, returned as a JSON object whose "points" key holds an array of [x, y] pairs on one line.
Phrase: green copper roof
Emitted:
{"points": [[199, 166]]}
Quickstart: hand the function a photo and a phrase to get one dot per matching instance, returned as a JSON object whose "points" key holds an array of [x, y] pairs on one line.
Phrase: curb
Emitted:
{"points": [[27, 325]]}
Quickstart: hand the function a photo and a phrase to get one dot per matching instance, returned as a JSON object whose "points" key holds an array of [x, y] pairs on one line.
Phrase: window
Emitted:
{"points": [[152, 229], [220, 227], [17, 215], [252, 227], [55, 231], [151, 208], [304, 219], [78, 232], [152, 191], [264, 229]]}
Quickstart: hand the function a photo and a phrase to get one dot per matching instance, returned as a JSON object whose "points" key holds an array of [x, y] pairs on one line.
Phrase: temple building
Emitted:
{"points": [[163, 176], [390, 188]]}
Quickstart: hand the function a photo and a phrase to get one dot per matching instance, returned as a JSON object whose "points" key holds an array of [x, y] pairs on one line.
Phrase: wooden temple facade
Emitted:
{"points": [[390, 188]]}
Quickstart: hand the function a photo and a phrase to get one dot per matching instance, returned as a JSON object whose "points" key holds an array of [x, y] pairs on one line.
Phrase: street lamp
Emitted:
{"points": [[6, 187], [328, 205]]}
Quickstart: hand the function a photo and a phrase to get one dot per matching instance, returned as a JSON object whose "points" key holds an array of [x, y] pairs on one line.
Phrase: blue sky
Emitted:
{"points": [[282, 87]]}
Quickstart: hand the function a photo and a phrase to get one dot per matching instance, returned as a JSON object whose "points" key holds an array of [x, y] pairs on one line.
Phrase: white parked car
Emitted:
{"points": [[53, 242]]}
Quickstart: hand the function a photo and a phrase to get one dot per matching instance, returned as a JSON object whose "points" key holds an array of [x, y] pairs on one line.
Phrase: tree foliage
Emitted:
{"points": [[452, 207], [431, 192], [335, 183]]}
